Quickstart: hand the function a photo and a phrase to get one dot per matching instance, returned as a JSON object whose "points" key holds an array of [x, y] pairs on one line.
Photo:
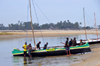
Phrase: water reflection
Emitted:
{"points": [[29, 60], [22, 61], [25, 61]]}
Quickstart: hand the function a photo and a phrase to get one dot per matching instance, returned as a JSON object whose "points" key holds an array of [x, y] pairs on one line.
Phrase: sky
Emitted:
{"points": [[12, 11]]}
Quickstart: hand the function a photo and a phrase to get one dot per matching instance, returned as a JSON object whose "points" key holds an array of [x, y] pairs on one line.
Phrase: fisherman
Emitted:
{"points": [[74, 42], [29, 49], [67, 47], [25, 49], [45, 46], [81, 43], [38, 45], [70, 42]]}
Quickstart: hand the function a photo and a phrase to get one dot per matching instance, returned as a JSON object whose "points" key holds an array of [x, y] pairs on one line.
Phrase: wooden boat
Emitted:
{"points": [[94, 41], [54, 51], [91, 41], [51, 51]]}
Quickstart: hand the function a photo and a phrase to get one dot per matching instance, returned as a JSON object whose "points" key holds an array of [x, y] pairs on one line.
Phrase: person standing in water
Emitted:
{"points": [[25, 49], [29, 50], [67, 47]]}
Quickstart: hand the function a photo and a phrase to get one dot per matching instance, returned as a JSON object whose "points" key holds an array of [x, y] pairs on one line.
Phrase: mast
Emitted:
{"points": [[96, 26], [31, 24], [84, 24]]}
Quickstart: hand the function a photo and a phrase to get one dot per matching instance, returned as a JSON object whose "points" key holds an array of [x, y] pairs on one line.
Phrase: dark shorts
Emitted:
{"points": [[67, 48], [25, 52]]}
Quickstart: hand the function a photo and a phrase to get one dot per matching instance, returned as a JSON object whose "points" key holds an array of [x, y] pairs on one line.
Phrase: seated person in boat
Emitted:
{"points": [[70, 42], [38, 45], [29, 50], [74, 42], [25, 48], [45, 46], [81, 43], [67, 46]]}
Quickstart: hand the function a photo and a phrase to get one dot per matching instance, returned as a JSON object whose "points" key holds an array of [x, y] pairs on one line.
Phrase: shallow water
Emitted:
{"points": [[7, 59], [46, 61]]}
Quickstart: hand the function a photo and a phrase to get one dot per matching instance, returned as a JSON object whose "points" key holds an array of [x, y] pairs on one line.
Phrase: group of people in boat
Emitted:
{"points": [[29, 48], [70, 43], [38, 45], [67, 46]]}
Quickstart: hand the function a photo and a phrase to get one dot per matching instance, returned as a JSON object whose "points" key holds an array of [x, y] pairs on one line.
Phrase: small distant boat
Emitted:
{"points": [[54, 51]]}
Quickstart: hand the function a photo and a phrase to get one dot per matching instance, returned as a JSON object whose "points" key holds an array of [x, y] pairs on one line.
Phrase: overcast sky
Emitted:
{"points": [[12, 11]]}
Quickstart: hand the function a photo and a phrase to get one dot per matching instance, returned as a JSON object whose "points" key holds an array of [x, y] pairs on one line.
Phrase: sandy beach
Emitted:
{"points": [[90, 59], [44, 33]]}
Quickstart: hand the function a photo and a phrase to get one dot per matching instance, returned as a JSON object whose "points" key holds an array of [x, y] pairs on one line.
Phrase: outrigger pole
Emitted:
{"points": [[96, 26], [31, 24], [84, 24]]}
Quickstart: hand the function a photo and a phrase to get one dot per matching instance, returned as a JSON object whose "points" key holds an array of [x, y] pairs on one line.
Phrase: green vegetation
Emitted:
{"points": [[99, 26], [5, 33], [59, 25]]}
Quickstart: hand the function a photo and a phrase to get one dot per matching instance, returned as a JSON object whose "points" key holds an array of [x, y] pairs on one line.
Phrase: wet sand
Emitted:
{"points": [[87, 59], [90, 59]]}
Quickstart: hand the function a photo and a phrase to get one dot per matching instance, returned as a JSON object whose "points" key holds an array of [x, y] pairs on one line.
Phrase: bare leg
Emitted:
{"points": [[24, 55], [69, 52], [30, 56]]}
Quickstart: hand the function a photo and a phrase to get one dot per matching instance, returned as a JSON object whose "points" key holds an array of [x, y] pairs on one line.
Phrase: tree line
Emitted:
{"points": [[59, 25]]}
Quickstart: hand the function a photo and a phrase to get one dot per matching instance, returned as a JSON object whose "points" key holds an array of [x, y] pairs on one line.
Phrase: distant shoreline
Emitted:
{"points": [[45, 33]]}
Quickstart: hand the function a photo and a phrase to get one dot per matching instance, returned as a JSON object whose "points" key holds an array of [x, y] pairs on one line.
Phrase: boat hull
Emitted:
{"points": [[54, 51], [94, 42], [90, 41]]}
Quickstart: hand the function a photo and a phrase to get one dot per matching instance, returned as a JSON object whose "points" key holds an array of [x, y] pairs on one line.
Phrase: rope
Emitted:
{"points": [[41, 11], [27, 21], [46, 17], [91, 20], [38, 21], [97, 21], [97, 18], [89, 17]]}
